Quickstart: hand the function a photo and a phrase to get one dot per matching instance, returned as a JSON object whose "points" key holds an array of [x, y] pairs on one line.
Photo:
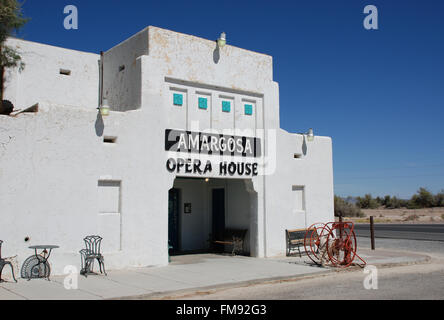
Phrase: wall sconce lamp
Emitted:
{"points": [[104, 108], [310, 135], [222, 41]]}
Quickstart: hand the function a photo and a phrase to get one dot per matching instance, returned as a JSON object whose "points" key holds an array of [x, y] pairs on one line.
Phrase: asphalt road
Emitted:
{"points": [[431, 232], [415, 282]]}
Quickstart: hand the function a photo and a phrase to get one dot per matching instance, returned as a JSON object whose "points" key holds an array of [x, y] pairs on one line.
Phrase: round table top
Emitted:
{"points": [[44, 247]]}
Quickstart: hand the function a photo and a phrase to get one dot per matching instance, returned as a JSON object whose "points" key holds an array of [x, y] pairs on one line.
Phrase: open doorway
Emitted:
{"points": [[202, 210]]}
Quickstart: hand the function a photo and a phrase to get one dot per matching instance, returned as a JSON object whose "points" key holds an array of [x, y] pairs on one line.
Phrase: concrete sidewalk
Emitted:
{"points": [[187, 273]]}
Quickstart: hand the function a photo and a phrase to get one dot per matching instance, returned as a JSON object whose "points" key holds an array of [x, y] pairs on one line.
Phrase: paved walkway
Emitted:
{"points": [[185, 273]]}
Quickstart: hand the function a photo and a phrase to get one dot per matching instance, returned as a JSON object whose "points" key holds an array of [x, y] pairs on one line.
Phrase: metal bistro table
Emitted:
{"points": [[37, 265]]}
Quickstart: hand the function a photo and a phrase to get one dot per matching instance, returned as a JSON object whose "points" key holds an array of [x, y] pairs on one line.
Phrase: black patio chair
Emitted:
{"points": [[91, 253], [3, 263]]}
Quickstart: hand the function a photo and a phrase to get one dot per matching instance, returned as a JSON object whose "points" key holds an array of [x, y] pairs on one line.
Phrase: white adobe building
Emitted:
{"points": [[67, 172]]}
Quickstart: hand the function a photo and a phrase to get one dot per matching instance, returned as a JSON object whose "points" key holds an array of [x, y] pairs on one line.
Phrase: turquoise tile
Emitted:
{"points": [[178, 99], [226, 106], [203, 103], [248, 109]]}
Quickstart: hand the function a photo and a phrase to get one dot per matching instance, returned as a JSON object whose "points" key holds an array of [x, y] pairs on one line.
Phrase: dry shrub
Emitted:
{"points": [[346, 209], [412, 217]]}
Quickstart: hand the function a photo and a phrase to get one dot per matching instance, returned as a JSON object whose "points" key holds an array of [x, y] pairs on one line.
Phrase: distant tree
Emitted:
{"points": [[11, 20], [439, 199], [367, 202], [350, 199], [422, 199], [393, 203], [380, 201], [346, 209], [404, 203], [386, 201]]}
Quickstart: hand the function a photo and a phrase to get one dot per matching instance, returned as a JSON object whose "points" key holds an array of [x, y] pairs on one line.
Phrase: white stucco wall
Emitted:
{"points": [[41, 81], [51, 162], [122, 72], [313, 171]]}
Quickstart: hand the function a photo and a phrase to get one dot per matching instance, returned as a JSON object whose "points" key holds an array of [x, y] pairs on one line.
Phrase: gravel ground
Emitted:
{"points": [[403, 215]]}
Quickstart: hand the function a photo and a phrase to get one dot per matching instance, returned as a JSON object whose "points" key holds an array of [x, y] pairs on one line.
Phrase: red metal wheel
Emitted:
{"points": [[315, 241], [308, 242], [341, 244]]}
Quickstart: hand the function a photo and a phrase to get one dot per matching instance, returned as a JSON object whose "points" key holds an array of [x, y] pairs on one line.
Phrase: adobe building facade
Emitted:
{"points": [[192, 146]]}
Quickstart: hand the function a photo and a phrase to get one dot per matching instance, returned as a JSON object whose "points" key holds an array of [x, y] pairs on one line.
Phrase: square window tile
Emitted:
{"points": [[178, 99], [248, 109], [203, 103], [226, 106]]}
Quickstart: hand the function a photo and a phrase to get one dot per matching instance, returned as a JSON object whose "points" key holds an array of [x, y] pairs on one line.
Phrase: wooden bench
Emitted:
{"points": [[295, 239], [235, 238]]}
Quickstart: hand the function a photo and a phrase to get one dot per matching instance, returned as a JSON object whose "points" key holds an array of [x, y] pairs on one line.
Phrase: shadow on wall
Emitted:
{"points": [[216, 54], [99, 125], [304, 146]]}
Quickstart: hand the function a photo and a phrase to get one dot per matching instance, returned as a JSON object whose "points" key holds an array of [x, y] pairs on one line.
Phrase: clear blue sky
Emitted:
{"points": [[379, 94]]}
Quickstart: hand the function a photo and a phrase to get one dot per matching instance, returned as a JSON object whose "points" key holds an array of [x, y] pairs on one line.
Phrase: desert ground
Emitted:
{"points": [[402, 215]]}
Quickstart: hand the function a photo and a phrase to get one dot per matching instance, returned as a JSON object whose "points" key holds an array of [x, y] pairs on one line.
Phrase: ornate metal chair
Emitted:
{"points": [[91, 253], [3, 263]]}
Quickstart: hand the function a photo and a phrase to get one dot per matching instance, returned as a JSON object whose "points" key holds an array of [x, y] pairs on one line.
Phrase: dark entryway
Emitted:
{"points": [[202, 211], [218, 214], [173, 220]]}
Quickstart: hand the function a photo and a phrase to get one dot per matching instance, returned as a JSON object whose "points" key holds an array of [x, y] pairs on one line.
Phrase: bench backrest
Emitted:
{"points": [[297, 234]]}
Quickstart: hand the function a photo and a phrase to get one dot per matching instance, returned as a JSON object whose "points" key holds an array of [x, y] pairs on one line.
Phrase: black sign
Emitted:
{"points": [[211, 144]]}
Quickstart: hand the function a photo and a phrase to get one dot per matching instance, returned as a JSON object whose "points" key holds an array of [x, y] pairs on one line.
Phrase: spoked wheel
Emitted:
{"points": [[32, 268], [315, 241], [341, 244]]}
